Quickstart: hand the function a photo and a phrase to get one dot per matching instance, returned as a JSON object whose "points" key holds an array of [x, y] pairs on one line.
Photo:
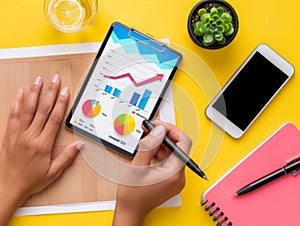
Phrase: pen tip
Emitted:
{"points": [[205, 177]]}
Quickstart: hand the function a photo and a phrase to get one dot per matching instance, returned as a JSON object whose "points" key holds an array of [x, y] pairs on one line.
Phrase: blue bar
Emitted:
{"points": [[108, 89], [117, 92], [144, 99], [134, 99]]}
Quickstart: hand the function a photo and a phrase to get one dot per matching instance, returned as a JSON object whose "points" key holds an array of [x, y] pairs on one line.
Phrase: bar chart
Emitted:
{"points": [[144, 100], [114, 91], [137, 99]]}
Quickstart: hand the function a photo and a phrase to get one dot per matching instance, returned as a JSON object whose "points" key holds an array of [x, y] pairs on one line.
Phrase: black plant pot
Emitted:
{"points": [[208, 4]]}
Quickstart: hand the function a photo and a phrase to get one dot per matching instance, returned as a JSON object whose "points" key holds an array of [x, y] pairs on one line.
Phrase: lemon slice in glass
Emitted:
{"points": [[68, 14]]}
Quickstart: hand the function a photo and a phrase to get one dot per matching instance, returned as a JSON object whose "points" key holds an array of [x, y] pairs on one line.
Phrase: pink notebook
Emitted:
{"points": [[277, 203]]}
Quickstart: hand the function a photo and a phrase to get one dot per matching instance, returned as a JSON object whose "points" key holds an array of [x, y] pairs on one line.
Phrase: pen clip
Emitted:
{"points": [[297, 171]]}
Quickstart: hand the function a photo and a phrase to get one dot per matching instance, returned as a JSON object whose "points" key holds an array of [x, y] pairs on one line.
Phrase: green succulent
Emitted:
{"points": [[213, 25]]}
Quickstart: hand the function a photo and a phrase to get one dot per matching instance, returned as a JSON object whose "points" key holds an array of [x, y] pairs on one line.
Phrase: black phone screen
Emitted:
{"points": [[250, 91]]}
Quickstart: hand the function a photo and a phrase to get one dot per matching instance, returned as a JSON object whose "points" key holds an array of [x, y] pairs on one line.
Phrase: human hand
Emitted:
{"points": [[155, 177], [26, 166]]}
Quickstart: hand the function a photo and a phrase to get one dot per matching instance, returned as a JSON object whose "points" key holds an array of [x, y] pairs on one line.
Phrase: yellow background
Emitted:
{"points": [[23, 24]]}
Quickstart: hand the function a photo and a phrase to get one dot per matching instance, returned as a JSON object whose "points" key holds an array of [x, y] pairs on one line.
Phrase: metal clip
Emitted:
{"points": [[297, 171], [163, 45]]}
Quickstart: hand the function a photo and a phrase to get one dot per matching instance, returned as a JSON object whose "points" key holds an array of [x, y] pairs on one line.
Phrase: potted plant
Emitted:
{"points": [[212, 24]]}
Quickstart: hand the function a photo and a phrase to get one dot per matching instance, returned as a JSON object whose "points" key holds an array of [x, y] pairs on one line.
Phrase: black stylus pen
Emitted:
{"points": [[177, 151], [291, 167]]}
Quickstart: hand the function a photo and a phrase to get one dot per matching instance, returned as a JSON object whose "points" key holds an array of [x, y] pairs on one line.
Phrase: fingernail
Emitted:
{"points": [[38, 80], [65, 91], [79, 145], [55, 78], [157, 131]]}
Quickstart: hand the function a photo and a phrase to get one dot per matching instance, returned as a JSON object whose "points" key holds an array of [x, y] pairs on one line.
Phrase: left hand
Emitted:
{"points": [[26, 166]]}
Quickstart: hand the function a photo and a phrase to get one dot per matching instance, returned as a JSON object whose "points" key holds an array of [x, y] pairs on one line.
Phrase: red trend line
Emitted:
{"points": [[155, 78]]}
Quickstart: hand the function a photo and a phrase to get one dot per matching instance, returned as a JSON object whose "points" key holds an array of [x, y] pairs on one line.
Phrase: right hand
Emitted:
{"points": [[134, 202]]}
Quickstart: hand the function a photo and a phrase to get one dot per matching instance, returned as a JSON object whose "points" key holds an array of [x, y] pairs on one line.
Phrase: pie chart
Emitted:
{"points": [[124, 124], [91, 108]]}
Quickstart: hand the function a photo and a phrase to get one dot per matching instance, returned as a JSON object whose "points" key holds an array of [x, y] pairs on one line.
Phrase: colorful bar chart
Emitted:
{"points": [[135, 98], [116, 92], [108, 89], [145, 99]]}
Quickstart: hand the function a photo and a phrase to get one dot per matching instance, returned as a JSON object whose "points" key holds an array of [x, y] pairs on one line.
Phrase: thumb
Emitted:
{"points": [[64, 159], [149, 145]]}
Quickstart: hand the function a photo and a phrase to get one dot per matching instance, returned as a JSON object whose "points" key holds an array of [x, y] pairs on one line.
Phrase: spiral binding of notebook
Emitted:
{"points": [[216, 213]]}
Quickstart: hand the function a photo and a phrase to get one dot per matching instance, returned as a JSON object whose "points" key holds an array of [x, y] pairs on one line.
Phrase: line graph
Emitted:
{"points": [[157, 77]]}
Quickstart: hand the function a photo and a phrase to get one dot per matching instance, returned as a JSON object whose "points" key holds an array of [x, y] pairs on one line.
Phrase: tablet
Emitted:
{"points": [[125, 85]]}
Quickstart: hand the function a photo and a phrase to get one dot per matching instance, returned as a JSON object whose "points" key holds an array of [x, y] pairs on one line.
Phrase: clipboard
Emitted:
{"points": [[125, 85]]}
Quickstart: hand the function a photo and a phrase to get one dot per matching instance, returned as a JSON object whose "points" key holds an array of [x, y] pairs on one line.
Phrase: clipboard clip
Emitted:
{"points": [[291, 161], [163, 45]]}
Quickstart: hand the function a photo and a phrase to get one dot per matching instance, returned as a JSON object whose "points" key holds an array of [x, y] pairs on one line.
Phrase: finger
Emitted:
{"points": [[64, 159], [56, 117], [148, 146], [46, 105], [181, 140], [15, 113], [31, 103], [163, 154]]}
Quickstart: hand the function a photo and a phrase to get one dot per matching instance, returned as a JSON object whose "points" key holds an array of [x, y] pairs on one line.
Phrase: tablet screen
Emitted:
{"points": [[124, 86]]}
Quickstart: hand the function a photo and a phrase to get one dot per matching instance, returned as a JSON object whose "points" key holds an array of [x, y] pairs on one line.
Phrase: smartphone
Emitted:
{"points": [[251, 88], [125, 85]]}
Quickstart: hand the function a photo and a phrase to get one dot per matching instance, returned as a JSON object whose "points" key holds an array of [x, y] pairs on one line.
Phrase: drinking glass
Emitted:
{"points": [[70, 16]]}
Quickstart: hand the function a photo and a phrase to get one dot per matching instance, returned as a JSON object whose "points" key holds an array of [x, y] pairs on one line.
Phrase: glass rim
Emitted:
{"points": [[91, 20]]}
